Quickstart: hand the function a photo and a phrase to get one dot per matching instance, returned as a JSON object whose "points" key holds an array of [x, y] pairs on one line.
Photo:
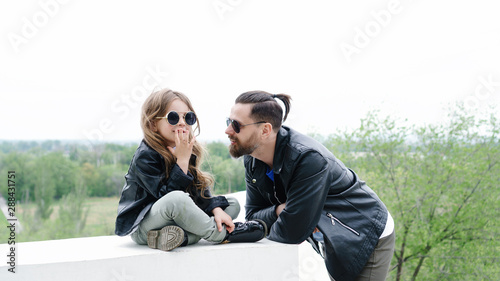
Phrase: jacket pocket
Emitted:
{"points": [[335, 220]]}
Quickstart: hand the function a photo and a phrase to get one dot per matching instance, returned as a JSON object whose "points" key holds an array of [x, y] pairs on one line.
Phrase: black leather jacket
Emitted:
{"points": [[319, 191], [146, 183]]}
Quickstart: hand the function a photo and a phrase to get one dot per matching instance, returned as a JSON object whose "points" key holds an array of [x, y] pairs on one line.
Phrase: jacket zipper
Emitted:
{"points": [[274, 188], [334, 219]]}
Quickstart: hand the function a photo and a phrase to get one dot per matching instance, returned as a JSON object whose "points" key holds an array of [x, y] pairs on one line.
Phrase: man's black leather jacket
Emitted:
{"points": [[146, 183], [319, 191]]}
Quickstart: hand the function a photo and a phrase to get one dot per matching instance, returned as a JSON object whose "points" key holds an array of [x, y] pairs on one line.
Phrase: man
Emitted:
{"points": [[297, 187]]}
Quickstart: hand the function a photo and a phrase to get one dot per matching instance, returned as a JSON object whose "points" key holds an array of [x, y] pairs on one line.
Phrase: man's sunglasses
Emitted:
{"points": [[173, 118], [237, 126]]}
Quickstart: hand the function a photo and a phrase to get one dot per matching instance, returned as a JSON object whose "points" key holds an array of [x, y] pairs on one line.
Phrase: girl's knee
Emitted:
{"points": [[234, 207], [233, 202], [172, 201], [176, 196]]}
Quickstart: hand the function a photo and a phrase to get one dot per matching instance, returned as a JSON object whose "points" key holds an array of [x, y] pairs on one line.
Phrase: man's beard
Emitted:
{"points": [[237, 149]]}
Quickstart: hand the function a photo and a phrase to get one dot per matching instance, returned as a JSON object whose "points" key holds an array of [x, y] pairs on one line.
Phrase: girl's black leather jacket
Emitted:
{"points": [[146, 183]]}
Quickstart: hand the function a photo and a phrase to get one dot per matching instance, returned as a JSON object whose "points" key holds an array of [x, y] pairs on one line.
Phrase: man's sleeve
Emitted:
{"points": [[305, 200], [258, 207]]}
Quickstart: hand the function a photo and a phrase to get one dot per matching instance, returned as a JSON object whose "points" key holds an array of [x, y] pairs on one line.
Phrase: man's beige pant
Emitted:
{"points": [[377, 267]]}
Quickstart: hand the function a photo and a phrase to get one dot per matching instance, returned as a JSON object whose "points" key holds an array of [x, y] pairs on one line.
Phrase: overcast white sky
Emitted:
{"points": [[81, 69]]}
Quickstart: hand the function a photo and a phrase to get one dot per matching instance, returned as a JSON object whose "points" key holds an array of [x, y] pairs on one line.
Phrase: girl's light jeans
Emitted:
{"points": [[177, 208]]}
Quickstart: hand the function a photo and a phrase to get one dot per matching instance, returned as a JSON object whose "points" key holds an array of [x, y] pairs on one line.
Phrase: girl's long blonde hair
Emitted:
{"points": [[156, 106]]}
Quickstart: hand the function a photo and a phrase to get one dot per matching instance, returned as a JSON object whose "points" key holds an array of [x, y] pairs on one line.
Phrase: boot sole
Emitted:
{"points": [[166, 239]]}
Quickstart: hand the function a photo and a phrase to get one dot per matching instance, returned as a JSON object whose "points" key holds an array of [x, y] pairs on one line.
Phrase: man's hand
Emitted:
{"points": [[222, 217], [280, 209]]}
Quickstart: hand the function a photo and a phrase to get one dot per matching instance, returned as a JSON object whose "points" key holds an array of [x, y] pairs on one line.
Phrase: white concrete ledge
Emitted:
{"points": [[113, 258]]}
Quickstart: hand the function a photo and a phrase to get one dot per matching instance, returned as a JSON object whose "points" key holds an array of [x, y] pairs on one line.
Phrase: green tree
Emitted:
{"points": [[112, 179], [44, 188], [440, 184], [53, 175], [229, 173], [219, 149], [18, 162], [73, 213]]}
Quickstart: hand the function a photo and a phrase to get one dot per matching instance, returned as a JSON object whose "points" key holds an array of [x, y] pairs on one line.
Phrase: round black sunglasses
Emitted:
{"points": [[173, 118], [237, 126]]}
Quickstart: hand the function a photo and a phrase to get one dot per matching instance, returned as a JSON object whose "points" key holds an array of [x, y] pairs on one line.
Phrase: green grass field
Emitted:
{"points": [[100, 221], [102, 215]]}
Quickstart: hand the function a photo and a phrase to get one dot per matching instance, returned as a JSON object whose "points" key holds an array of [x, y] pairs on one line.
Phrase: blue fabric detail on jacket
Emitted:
{"points": [[270, 173]]}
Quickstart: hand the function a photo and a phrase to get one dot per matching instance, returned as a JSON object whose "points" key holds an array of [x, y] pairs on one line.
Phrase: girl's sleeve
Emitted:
{"points": [[209, 203]]}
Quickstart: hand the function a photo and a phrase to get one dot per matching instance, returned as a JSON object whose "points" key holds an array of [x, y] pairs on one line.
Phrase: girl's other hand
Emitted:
{"points": [[221, 218]]}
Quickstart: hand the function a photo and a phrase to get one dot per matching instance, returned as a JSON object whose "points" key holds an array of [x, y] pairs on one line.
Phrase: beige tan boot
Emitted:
{"points": [[167, 238]]}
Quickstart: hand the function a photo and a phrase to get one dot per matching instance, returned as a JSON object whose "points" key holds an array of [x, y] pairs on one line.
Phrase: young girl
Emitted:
{"points": [[165, 202]]}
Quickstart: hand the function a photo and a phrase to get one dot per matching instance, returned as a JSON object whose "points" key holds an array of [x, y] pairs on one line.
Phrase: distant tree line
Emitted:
{"points": [[48, 170], [51, 169]]}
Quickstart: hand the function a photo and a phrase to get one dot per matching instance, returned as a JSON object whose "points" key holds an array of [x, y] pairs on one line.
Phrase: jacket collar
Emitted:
{"points": [[282, 140]]}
